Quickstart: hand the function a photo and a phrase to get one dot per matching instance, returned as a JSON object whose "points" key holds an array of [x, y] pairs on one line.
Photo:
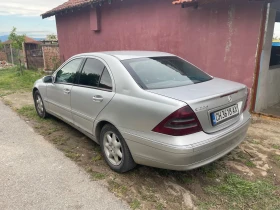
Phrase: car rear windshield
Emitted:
{"points": [[164, 72]]}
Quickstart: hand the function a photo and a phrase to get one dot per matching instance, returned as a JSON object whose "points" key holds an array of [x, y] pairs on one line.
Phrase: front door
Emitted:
{"points": [[59, 92], [92, 93]]}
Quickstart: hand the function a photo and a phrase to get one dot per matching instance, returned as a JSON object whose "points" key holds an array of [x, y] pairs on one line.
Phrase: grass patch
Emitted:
{"points": [[97, 176], [275, 146], [29, 112], [206, 205], [255, 142], [276, 159], [237, 192], [160, 206], [117, 188], [11, 80], [96, 158], [185, 179], [209, 170], [135, 204], [60, 140], [72, 155], [249, 164]]}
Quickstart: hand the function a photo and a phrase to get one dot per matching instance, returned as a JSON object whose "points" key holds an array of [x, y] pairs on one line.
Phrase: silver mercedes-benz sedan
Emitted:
{"points": [[149, 108]]}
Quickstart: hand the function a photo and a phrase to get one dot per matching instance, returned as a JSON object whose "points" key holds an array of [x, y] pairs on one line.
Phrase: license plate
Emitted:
{"points": [[223, 115]]}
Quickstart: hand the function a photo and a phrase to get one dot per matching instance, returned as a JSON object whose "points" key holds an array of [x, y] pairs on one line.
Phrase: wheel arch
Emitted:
{"points": [[34, 90], [99, 127]]}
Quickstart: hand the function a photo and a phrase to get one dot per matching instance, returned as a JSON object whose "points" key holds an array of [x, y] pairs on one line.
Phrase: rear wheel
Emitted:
{"points": [[115, 150], [39, 105]]}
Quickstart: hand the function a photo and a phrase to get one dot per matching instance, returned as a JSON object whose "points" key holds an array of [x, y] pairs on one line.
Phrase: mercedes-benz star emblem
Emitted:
{"points": [[229, 98]]}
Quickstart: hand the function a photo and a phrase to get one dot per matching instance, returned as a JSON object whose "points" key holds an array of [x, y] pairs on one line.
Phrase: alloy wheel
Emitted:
{"points": [[39, 105], [113, 148]]}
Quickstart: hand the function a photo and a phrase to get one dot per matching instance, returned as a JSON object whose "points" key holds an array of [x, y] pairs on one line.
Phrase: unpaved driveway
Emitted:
{"points": [[35, 175], [247, 178]]}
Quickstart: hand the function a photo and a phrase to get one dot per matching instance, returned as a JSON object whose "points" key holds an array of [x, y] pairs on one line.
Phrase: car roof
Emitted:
{"points": [[125, 55]]}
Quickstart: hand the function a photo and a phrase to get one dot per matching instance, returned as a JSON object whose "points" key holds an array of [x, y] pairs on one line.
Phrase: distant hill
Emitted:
{"points": [[5, 38]]}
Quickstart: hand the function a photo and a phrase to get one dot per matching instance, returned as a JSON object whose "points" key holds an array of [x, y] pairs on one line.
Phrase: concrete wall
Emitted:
{"points": [[268, 92], [51, 57], [221, 38]]}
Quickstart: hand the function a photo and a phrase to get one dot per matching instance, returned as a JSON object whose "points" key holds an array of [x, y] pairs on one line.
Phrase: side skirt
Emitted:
{"points": [[92, 137]]}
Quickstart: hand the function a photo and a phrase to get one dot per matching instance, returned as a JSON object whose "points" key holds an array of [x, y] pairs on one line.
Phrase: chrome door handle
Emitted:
{"points": [[66, 91], [97, 98]]}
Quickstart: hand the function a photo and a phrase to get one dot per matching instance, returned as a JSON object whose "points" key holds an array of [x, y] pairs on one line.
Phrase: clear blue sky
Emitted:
{"points": [[25, 16]]}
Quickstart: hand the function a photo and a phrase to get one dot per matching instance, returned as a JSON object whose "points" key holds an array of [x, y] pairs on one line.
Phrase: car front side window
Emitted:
{"points": [[68, 73]]}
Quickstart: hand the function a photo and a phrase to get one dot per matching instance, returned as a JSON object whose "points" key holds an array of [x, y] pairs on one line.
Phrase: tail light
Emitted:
{"points": [[247, 100], [179, 123]]}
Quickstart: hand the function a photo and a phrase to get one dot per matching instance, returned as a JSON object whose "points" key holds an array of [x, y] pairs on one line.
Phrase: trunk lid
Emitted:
{"points": [[209, 97]]}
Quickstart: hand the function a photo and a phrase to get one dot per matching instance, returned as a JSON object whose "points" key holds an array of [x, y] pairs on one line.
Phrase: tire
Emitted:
{"points": [[116, 153], [39, 105]]}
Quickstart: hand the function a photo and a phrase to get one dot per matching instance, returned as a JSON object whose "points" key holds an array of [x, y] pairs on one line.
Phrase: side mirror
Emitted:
{"points": [[48, 79], [53, 79]]}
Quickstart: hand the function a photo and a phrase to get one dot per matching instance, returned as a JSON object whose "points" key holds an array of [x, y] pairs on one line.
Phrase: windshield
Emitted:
{"points": [[164, 72]]}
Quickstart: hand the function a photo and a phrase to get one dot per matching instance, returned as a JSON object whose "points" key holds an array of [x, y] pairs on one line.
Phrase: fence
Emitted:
{"points": [[12, 55], [43, 56]]}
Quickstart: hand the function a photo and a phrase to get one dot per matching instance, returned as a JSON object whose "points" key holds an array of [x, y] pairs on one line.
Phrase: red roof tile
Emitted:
{"points": [[70, 4], [27, 40]]}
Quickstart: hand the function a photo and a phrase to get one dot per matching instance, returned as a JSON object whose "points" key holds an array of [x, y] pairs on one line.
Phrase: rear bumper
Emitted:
{"points": [[191, 151]]}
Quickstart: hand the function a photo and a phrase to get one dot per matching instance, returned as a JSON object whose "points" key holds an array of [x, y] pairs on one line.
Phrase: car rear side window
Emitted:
{"points": [[68, 73], [164, 72], [105, 81], [91, 73]]}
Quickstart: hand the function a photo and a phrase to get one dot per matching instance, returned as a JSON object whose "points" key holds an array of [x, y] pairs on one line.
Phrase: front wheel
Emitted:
{"points": [[115, 150], [39, 105]]}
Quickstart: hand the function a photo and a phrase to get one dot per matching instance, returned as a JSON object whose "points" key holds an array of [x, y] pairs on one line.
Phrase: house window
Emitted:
{"points": [[275, 49]]}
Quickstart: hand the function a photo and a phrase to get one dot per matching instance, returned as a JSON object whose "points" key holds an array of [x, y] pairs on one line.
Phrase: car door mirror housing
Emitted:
{"points": [[48, 79]]}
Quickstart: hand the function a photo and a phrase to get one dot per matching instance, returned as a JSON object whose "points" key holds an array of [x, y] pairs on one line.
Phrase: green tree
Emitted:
{"points": [[1, 45], [51, 37], [17, 41]]}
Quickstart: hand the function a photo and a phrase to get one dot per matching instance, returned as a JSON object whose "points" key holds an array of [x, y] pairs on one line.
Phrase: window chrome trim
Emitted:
{"points": [[91, 87]]}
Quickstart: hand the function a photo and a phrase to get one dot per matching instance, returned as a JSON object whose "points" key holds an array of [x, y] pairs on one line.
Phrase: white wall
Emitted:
{"points": [[268, 92]]}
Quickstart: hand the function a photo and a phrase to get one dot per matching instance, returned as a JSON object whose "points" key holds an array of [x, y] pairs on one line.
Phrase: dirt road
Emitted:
{"points": [[35, 175]]}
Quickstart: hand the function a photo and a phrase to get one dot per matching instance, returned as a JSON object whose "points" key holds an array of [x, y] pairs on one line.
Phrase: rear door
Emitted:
{"points": [[91, 94], [59, 92]]}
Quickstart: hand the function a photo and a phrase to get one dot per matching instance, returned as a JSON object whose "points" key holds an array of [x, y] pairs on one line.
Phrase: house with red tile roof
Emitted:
{"points": [[29, 42], [229, 39], [31, 53]]}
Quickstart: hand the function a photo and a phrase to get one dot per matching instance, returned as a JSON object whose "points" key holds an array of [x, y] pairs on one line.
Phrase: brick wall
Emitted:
{"points": [[3, 56], [51, 57]]}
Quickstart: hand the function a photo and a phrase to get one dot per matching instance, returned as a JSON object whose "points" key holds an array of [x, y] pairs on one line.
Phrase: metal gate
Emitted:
{"points": [[34, 58]]}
